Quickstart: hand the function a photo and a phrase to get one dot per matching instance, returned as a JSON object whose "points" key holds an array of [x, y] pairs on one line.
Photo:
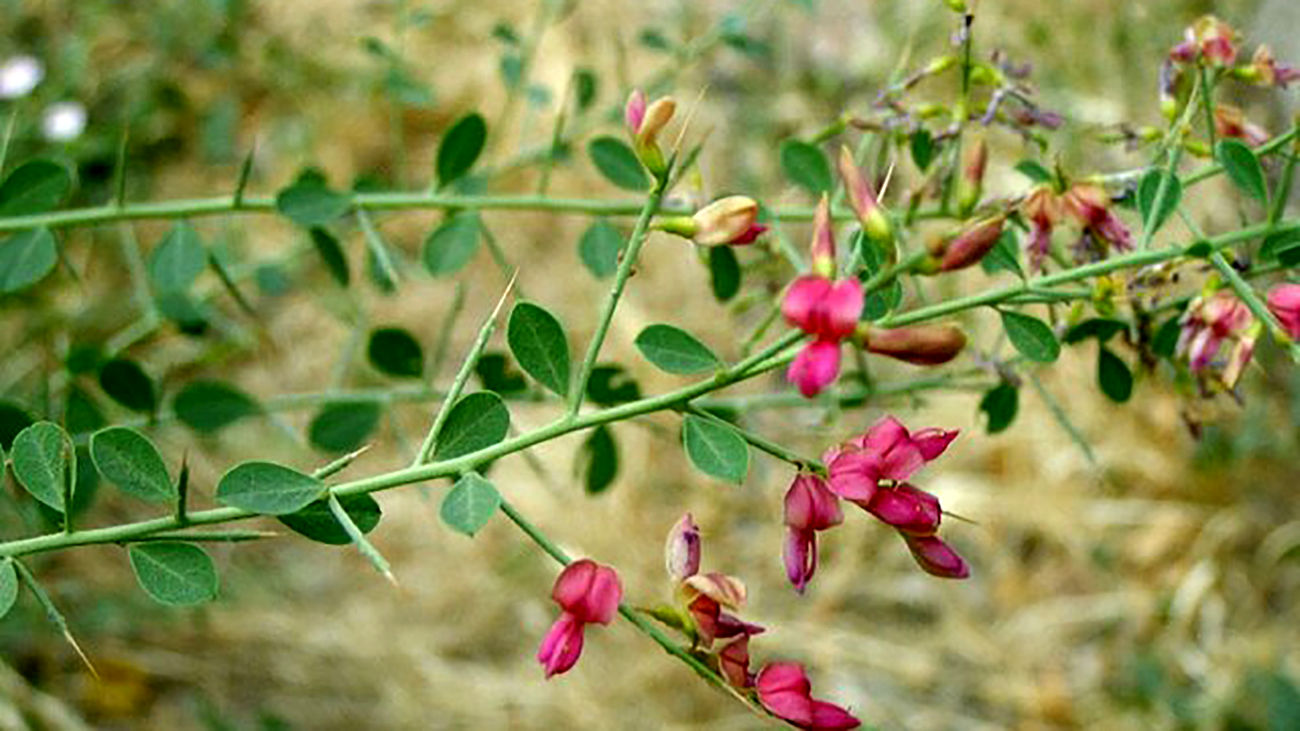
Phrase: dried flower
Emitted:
{"points": [[1089, 205], [1212, 322], [1043, 209], [1230, 121], [1264, 70]]}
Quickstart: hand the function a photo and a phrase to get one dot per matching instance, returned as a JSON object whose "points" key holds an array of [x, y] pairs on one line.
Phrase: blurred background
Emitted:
{"points": [[1125, 574]]}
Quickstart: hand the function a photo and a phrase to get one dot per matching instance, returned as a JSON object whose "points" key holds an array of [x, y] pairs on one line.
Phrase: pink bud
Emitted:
{"points": [[874, 222], [588, 591], [1284, 303], [970, 244], [936, 557], [784, 689], [682, 550], [823, 240], [933, 441], [815, 367], [907, 508], [730, 220], [917, 344], [634, 112], [824, 309]]}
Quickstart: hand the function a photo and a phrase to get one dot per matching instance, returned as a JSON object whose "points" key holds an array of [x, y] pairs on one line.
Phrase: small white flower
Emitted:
{"points": [[64, 121], [19, 75]]}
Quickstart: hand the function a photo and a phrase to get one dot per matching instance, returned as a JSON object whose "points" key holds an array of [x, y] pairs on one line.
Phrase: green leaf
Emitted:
{"points": [[477, 421], [331, 253], [1242, 166], [177, 260], [36, 186], [44, 461], [610, 385], [1097, 327], [724, 272], [1004, 256], [470, 504], [310, 203], [1147, 190], [584, 88], [461, 147], [804, 165], [127, 383], [598, 460], [599, 248], [538, 342], [343, 426], [317, 522], [921, 143], [129, 460], [1000, 404], [268, 488], [174, 573], [396, 352], [1034, 171], [1114, 376], [8, 586], [450, 247], [715, 449], [674, 350], [1165, 340], [1031, 336], [1279, 241], [26, 258], [80, 413], [497, 373], [209, 406], [880, 302], [616, 161]]}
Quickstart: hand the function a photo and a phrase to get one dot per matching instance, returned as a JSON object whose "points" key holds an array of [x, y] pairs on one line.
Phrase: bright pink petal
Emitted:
{"points": [[800, 556], [936, 557], [906, 508], [841, 308], [883, 436], [933, 442], [1284, 303], [803, 302], [588, 591], [815, 367], [783, 689], [562, 645], [830, 717], [810, 505], [854, 475]]}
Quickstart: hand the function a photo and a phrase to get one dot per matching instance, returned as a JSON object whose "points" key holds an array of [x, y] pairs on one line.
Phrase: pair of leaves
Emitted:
{"points": [[676, 351], [36, 186], [310, 202]]}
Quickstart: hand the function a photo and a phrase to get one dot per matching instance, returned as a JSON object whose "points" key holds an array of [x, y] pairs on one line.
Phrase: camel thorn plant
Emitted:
{"points": [[1098, 282]]}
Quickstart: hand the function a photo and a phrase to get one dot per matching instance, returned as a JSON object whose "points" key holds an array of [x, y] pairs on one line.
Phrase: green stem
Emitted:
{"points": [[762, 443], [625, 266], [1249, 297]]}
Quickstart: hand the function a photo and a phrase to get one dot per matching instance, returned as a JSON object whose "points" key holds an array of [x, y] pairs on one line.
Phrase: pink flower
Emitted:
{"points": [[1284, 303], [682, 550], [815, 367], [809, 507], [887, 451], [936, 557], [1210, 323], [1211, 39], [784, 689], [588, 593], [822, 308], [907, 508]]}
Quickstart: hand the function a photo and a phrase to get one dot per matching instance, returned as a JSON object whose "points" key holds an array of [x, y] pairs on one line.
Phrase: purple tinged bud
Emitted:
{"points": [[969, 245], [936, 557], [634, 112], [925, 345], [682, 550], [874, 222], [823, 240]]}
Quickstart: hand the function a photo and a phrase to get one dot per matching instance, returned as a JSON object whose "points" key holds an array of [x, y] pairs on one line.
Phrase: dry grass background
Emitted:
{"points": [[1150, 590]]}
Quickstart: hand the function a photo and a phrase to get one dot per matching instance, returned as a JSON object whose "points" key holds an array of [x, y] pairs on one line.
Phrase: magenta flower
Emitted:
{"points": [[784, 689], [825, 309], [887, 451], [936, 557], [1284, 303], [907, 508], [682, 550], [815, 367], [809, 507], [587, 593]]}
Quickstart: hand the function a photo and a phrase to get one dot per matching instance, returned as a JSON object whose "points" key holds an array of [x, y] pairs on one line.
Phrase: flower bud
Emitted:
{"points": [[634, 112], [1284, 303], [644, 123], [919, 344], [823, 240], [730, 220], [682, 550], [874, 222], [970, 186], [969, 245], [936, 557]]}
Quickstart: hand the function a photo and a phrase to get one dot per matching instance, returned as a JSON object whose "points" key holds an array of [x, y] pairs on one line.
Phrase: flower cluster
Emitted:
{"points": [[1090, 208], [721, 639], [1218, 336], [871, 471]]}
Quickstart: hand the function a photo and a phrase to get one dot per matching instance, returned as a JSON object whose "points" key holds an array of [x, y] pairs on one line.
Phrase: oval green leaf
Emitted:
{"points": [[8, 586], [36, 186], [127, 383], [461, 147], [921, 143], [178, 259], [470, 504], [345, 425], [599, 248], [616, 161], [268, 488], [477, 421], [674, 350], [310, 203], [396, 352], [174, 573], [1114, 376], [598, 460], [209, 406], [537, 340], [1147, 190], [129, 460], [715, 449], [44, 461], [331, 253], [1031, 337], [724, 272], [316, 522], [1242, 165], [1000, 405], [26, 258], [804, 165], [450, 247]]}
